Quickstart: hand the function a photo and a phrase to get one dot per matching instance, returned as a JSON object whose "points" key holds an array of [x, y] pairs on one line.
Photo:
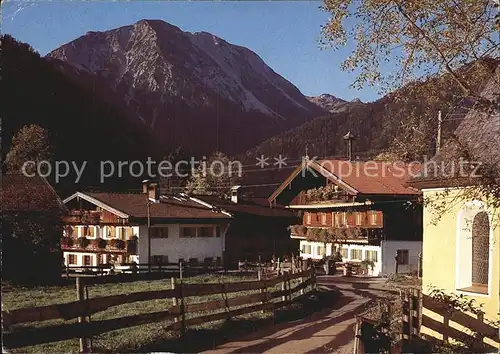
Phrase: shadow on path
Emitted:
{"points": [[314, 325]]}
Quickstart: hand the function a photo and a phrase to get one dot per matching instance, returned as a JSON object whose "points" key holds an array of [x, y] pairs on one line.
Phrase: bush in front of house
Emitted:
{"points": [[83, 242], [117, 243], [99, 243], [67, 242], [366, 265]]}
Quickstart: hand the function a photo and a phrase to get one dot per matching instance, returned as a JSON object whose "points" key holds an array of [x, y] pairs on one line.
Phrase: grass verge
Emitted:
{"points": [[142, 338]]}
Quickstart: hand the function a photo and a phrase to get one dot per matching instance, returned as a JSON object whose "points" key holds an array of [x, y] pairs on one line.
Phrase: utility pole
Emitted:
{"points": [[438, 139], [149, 237]]}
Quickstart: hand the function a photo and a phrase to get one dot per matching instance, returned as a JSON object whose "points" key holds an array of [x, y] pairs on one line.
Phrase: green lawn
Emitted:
{"points": [[129, 339]]}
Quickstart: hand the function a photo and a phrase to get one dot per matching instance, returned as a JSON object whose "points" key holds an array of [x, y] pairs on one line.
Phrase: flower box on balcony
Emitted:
{"points": [[67, 242], [99, 243], [117, 243], [83, 242]]}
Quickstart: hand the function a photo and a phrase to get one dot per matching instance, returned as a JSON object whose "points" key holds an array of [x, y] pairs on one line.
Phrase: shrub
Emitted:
{"points": [[67, 242], [301, 230], [367, 264], [312, 234], [117, 243], [99, 243], [323, 235], [83, 242]]}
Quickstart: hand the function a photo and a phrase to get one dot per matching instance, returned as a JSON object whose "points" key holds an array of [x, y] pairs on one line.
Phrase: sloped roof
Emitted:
{"points": [[361, 177], [262, 182], [248, 206], [476, 140], [373, 177], [21, 193], [135, 205]]}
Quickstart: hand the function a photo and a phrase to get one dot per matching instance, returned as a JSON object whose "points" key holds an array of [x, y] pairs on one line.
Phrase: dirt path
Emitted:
{"points": [[328, 331]]}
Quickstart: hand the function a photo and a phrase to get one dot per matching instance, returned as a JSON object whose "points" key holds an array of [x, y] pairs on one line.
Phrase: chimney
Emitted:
{"points": [[152, 189], [349, 137], [235, 194]]}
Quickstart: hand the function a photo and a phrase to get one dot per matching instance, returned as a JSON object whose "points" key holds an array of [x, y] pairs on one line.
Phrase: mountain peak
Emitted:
{"points": [[166, 75], [328, 102]]}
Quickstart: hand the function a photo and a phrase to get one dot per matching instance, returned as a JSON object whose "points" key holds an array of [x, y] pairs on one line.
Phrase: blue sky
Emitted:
{"points": [[284, 34]]}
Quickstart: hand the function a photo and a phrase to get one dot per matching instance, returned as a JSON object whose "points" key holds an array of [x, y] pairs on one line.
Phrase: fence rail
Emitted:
{"points": [[17, 335], [414, 320]]}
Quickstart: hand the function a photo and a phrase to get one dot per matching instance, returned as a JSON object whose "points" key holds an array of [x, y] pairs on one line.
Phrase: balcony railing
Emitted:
{"points": [[83, 217], [96, 244], [325, 234]]}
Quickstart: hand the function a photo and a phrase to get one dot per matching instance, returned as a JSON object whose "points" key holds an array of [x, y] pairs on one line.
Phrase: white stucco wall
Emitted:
{"points": [[176, 247], [314, 254], [389, 249]]}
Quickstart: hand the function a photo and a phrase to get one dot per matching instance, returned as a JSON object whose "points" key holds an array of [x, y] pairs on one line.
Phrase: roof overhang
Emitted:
{"points": [[208, 205], [97, 202], [318, 168], [329, 205]]}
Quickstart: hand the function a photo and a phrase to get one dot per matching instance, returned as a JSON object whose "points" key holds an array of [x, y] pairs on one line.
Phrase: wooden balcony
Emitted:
{"points": [[341, 234], [305, 198], [84, 217], [83, 244]]}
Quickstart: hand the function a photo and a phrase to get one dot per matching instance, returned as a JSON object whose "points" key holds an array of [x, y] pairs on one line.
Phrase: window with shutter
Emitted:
{"points": [[356, 254], [72, 259], [206, 231], [188, 231], [87, 261], [359, 218]]}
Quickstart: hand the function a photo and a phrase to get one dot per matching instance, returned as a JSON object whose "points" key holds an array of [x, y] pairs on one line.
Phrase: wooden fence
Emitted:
{"points": [[17, 334], [178, 268], [421, 312]]}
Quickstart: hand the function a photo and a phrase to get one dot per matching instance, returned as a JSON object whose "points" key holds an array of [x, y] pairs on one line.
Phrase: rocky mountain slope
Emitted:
{"points": [[377, 124], [331, 103], [191, 89], [83, 126]]}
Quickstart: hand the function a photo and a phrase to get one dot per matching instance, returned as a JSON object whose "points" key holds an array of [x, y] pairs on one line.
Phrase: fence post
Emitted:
{"points": [[480, 336], [410, 315], [183, 312], [301, 280], [174, 299], [289, 286], [404, 318], [283, 287], [261, 290], [278, 267], [356, 336], [446, 323], [180, 270], [313, 278], [85, 346]]}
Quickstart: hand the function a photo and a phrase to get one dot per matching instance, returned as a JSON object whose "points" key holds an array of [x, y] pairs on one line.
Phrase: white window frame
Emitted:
{"points": [[376, 254], [359, 218], [356, 250]]}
